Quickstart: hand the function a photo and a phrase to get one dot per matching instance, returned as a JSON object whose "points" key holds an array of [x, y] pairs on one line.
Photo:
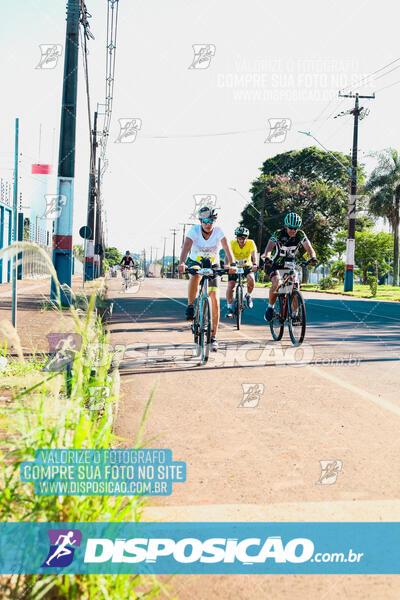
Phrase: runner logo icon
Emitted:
{"points": [[62, 547]]}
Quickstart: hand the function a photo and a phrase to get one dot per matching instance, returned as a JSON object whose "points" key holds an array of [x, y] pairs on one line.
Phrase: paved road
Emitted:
{"points": [[257, 457]]}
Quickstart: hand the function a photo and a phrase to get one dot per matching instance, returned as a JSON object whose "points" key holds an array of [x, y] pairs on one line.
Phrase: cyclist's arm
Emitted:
{"points": [[229, 255], [309, 249], [253, 257], [188, 243], [268, 249], [228, 250]]}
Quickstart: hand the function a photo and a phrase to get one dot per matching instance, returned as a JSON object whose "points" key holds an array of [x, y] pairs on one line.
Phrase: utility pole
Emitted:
{"points": [[184, 231], [351, 230], [98, 237], [144, 261], [261, 220], [89, 258], [163, 258], [62, 238], [14, 233], [174, 232]]}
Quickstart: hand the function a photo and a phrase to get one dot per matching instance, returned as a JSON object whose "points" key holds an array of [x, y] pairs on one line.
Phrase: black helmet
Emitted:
{"points": [[206, 212], [127, 252]]}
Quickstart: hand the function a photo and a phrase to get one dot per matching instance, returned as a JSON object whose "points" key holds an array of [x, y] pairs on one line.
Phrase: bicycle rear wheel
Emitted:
{"points": [[297, 326], [277, 323], [205, 329], [239, 305]]}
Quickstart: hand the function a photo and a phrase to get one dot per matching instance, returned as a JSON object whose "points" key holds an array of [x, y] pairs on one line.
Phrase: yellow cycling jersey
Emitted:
{"points": [[243, 255]]}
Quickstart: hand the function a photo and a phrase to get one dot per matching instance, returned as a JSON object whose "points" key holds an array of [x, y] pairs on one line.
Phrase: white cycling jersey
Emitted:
{"points": [[202, 247]]}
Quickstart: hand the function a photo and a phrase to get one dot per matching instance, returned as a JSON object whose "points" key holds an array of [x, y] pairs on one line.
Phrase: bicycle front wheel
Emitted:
{"points": [[297, 325], [205, 329], [239, 305], [277, 323], [196, 327]]}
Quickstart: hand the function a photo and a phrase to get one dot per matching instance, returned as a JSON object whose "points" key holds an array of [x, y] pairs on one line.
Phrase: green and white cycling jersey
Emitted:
{"points": [[286, 247]]}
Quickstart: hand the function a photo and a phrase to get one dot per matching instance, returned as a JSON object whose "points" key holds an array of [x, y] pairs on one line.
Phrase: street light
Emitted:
{"points": [[244, 198], [309, 134], [259, 212]]}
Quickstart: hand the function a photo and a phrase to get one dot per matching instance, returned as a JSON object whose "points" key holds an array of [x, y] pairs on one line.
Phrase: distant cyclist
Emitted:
{"points": [[244, 252], [202, 240], [286, 242], [127, 260]]}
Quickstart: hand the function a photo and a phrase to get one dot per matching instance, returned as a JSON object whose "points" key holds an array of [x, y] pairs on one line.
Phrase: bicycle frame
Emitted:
{"points": [[288, 291]]}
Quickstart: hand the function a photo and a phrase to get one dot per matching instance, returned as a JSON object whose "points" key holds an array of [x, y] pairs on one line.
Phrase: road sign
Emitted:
{"points": [[85, 232]]}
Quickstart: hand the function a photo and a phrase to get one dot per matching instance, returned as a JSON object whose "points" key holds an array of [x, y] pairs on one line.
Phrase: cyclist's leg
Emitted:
{"points": [[213, 288], [214, 297], [229, 291], [250, 283], [273, 294], [273, 290], [193, 287], [295, 307]]}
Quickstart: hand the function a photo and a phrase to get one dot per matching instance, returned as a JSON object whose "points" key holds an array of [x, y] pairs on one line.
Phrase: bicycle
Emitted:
{"points": [[126, 278], [202, 320], [288, 290], [239, 304]]}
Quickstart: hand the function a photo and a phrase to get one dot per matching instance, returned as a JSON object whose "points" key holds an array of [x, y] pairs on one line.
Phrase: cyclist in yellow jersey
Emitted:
{"points": [[244, 252]]}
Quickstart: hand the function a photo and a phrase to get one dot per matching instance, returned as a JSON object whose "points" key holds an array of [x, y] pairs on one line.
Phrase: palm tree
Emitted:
{"points": [[383, 187]]}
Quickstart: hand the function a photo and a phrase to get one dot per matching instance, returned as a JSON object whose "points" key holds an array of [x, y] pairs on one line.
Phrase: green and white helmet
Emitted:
{"points": [[293, 221], [242, 231]]}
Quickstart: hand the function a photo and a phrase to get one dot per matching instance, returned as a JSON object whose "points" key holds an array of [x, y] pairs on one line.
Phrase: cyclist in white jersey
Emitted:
{"points": [[205, 240]]}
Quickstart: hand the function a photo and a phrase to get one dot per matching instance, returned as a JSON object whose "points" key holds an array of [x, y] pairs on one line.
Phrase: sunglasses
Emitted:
{"points": [[207, 220], [292, 228]]}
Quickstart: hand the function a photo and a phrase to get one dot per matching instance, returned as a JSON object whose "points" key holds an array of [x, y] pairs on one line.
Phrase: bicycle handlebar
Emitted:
{"points": [[273, 266], [206, 272]]}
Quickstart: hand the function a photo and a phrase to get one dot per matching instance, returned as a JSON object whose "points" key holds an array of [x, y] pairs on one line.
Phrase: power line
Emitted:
{"points": [[358, 84], [83, 40], [112, 30], [388, 86]]}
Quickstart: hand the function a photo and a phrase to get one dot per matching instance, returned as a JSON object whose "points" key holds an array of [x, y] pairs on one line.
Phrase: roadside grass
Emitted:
{"points": [[384, 292], [72, 409]]}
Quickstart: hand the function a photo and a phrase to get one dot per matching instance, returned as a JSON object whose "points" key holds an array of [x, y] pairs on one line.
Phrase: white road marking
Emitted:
{"points": [[352, 388]]}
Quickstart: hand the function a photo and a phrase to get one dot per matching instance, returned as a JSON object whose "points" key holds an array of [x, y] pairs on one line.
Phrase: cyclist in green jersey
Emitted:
{"points": [[286, 242]]}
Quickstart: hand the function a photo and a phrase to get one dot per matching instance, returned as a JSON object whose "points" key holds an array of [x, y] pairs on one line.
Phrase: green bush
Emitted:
{"points": [[338, 270], [261, 276], [328, 283], [75, 409], [373, 284]]}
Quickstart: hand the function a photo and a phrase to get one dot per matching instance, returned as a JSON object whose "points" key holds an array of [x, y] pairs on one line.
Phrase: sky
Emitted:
{"points": [[202, 131]]}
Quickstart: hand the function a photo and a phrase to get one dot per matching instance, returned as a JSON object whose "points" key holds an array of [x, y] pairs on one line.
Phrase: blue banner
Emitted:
{"points": [[200, 548]]}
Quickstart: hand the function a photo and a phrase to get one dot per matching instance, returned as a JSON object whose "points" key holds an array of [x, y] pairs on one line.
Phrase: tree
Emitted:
{"points": [[313, 164], [384, 187], [113, 255], [373, 252], [322, 207], [78, 251]]}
